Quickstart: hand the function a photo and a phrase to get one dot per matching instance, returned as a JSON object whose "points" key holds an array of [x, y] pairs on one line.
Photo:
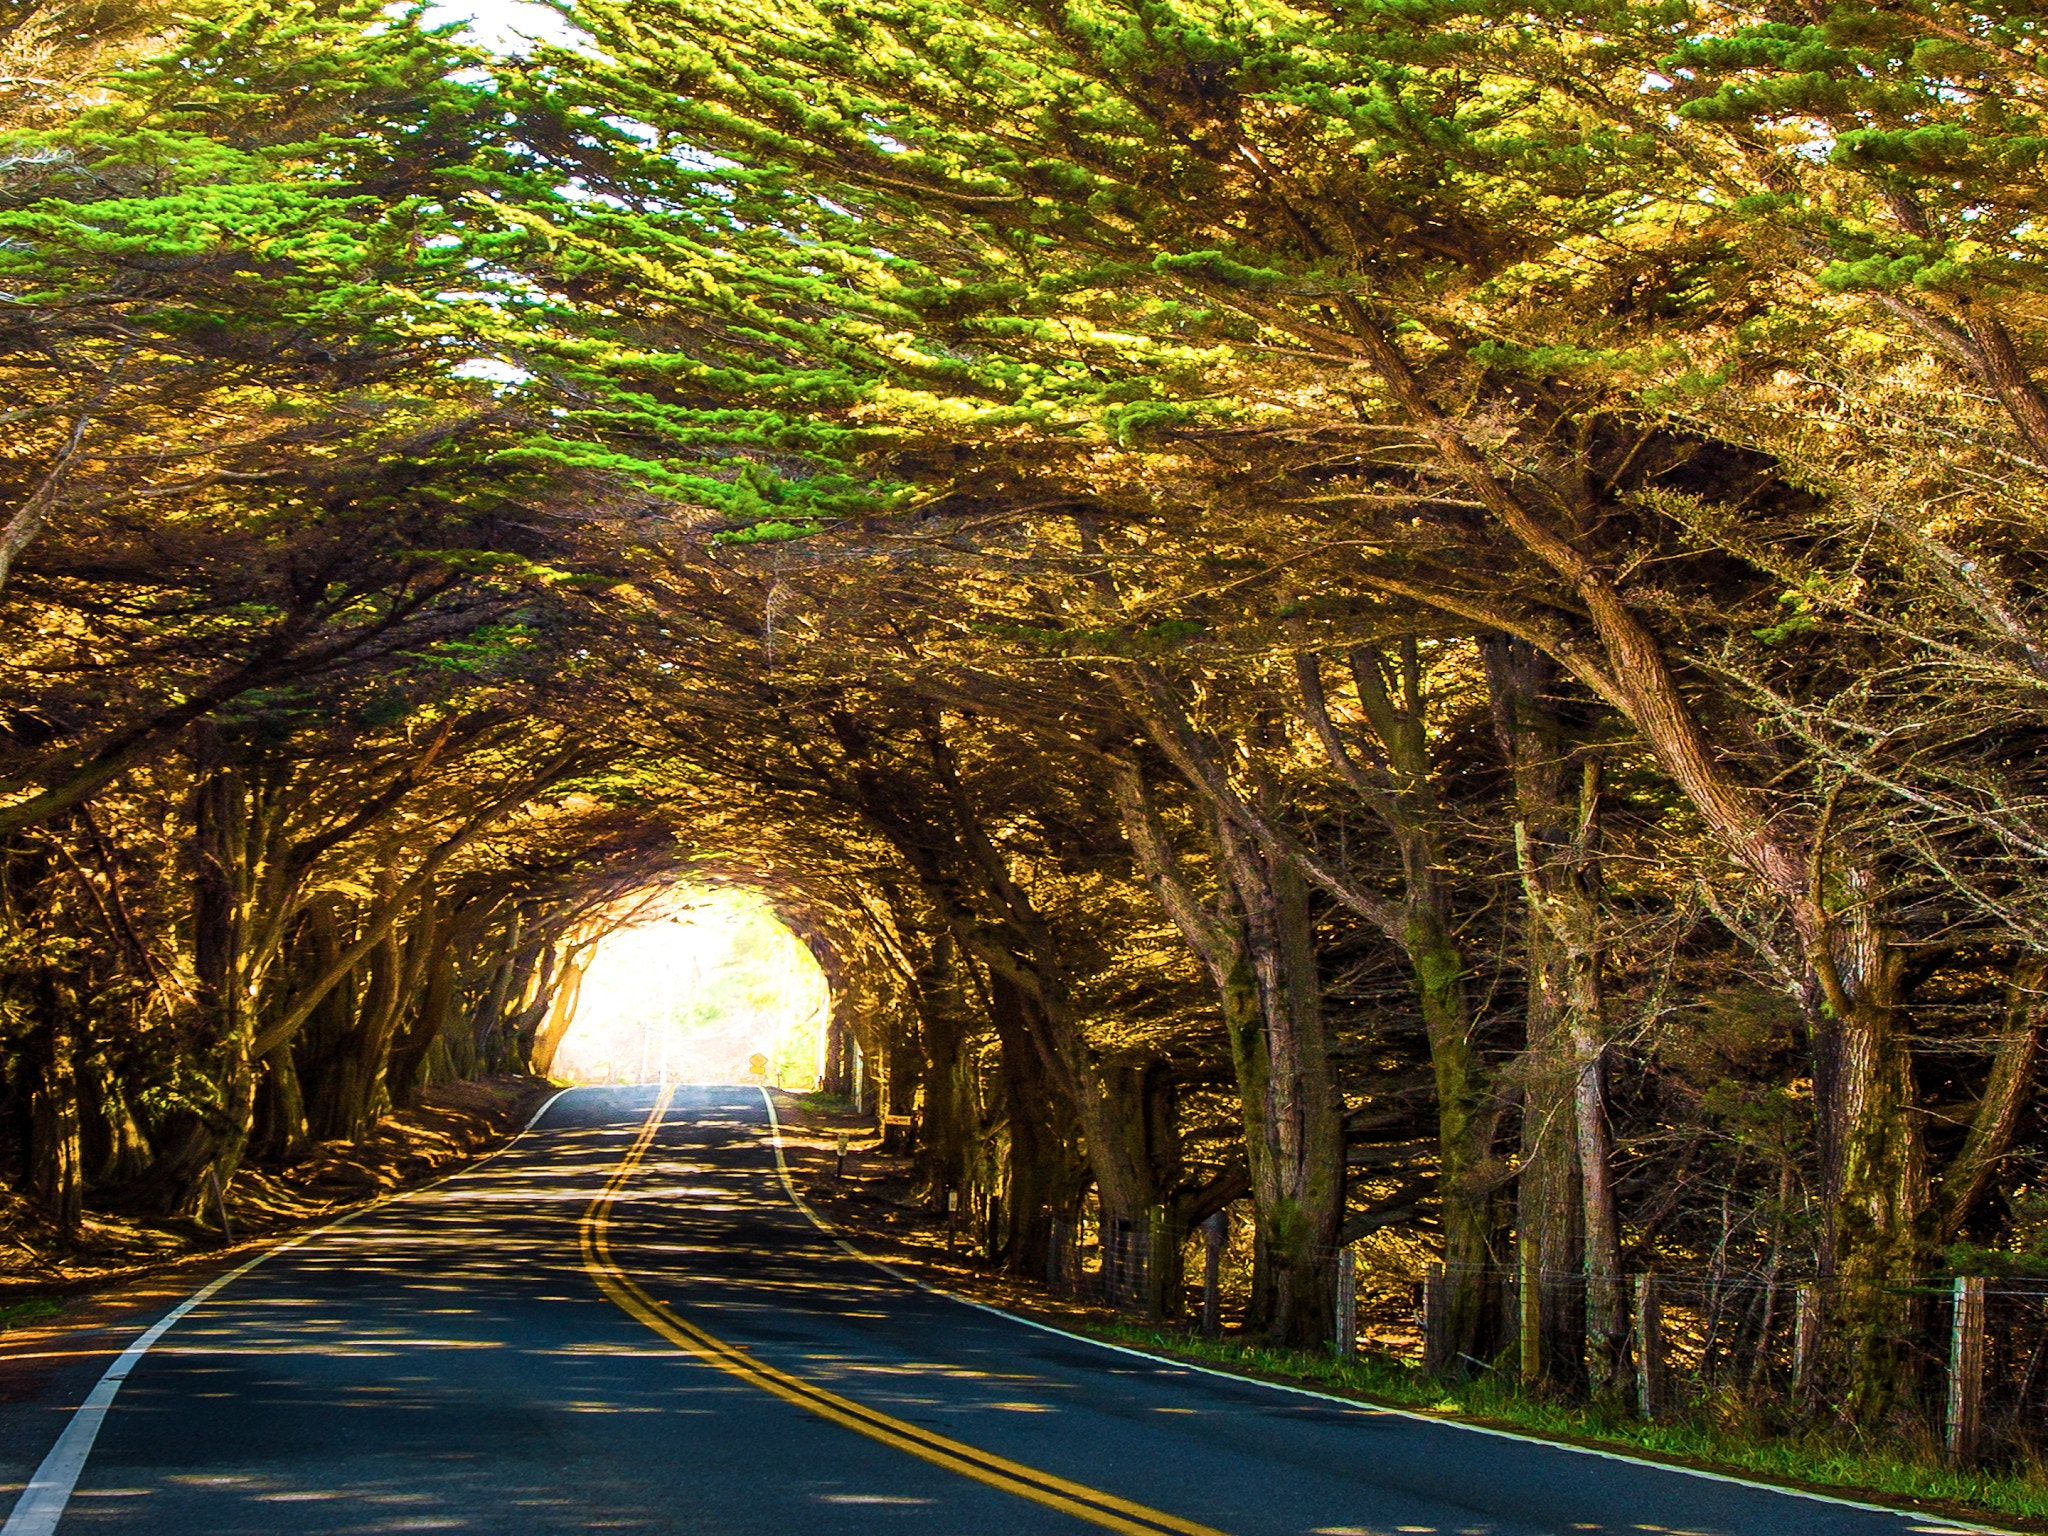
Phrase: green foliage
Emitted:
{"points": [[785, 440], [1799, 619], [30, 1309], [2023, 1254]]}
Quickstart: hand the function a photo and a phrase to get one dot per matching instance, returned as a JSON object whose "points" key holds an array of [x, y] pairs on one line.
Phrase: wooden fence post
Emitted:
{"points": [[1212, 1271], [1436, 1327], [1056, 1255], [952, 1217], [1649, 1348], [220, 1206], [1805, 1342], [839, 1168], [1347, 1303], [1510, 1311], [1530, 1304], [1966, 1370], [1158, 1235]]}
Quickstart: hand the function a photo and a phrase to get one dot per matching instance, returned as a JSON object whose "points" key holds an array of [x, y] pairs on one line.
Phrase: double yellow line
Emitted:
{"points": [[1076, 1499]]}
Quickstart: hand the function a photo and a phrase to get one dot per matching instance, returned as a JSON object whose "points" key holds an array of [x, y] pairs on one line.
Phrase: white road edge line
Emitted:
{"points": [[1937, 1525], [43, 1501]]}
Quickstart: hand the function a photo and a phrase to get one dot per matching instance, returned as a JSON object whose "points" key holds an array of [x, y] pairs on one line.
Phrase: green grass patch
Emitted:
{"points": [[1719, 1434], [29, 1310], [826, 1103]]}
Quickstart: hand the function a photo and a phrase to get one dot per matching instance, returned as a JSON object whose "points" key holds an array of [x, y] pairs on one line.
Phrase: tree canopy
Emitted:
{"points": [[1421, 619]]}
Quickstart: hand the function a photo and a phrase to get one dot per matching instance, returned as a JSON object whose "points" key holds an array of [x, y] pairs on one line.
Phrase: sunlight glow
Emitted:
{"points": [[704, 994], [508, 28]]}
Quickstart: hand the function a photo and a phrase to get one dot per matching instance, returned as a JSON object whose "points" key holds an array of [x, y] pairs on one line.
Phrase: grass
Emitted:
{"points": [[1713, 1435], [826, 1103], [1719, 1434], [28, 1310]]}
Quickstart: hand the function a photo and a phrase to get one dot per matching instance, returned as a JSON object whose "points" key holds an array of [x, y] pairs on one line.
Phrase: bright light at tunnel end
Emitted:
{"points": [[707, 987]]}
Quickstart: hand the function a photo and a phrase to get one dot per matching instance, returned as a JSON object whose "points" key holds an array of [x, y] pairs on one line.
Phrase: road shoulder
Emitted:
{"points": [[873, 1204]]}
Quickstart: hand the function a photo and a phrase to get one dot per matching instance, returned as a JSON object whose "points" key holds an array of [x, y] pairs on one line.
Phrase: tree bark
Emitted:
{"points": [[56, 1163], [2008, 1091], [547, 1042], [117, 1150], [1558, 854], [1881, 1234], [1258, 947], [994, 919], [2002, 369], [1883, 1226], [281, 1129], [1293, 1114], [949, 1109], [1550, 1194], [436, 1005], [1565, 887], [1393, 698]]}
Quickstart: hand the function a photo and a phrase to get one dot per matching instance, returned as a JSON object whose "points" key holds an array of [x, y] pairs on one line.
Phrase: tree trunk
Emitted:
{"points": [[537, 996], [1561, 886], [1293, 1115], [1884, 1227], [1044, 1171], [227, 976], [323, 1043], [1558, 855], [1465, 1128], [506, 978], [1551, 1193], [1112, 1120], [1550, 1227], [56, 1164], [342, 1102], [1259, 949], [993, 919], [1394, 700], [2001, 368], [430, 1017], [1607, 1306], [547, 1043], [1870, 1131], [281, 1128], [2008, 1091], [837, 1076], [948, 1101], [117, 1152]]}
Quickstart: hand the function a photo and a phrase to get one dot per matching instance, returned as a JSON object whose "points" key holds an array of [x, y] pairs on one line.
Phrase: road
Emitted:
{"points": [[623, 1323]]}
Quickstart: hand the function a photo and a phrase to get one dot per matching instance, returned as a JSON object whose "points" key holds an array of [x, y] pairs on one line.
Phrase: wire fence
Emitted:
{"points": [[1962, 1358]]}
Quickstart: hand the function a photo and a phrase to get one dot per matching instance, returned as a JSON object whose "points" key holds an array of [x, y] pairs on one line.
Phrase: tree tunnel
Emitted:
{"points": [[1496, 717]]}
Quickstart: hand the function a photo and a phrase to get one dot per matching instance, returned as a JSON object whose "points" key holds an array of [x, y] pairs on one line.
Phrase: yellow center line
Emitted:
{"points": [[1077, 1499]]}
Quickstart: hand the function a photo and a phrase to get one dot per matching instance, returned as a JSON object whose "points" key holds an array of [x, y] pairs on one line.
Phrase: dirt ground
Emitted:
{"points": [[874, 1203]]}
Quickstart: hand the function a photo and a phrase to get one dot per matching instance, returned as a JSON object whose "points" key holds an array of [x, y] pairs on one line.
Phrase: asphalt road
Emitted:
{"points": [[469, 1359]]}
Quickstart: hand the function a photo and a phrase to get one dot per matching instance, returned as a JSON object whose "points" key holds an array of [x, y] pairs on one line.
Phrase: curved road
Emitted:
{"points": [[622, 1323]]}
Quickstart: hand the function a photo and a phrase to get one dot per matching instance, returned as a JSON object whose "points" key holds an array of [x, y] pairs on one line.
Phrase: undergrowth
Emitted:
{"points": [[1823, 1459], [826, 1103], [29, 1310]]}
